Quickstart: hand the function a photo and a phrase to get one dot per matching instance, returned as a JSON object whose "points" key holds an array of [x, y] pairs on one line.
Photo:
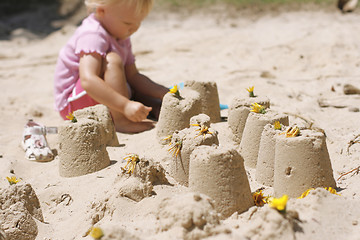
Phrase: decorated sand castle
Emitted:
{"points": [[83, 141], [239, 110], [300, 69], [220, 174], [197, 159], [196, 98], [289, 159], [301, 163], [184, 142]]}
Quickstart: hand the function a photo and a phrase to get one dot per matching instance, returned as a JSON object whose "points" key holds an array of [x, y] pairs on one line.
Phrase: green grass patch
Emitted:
{"points": [[244, 3]]}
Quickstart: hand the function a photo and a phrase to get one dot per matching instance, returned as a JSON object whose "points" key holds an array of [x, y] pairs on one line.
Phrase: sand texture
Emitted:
{"points": [[306, 63]]}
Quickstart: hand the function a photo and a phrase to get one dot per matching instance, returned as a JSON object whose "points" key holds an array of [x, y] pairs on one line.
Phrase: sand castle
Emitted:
{"points": [[250, 141], [196, 158], [238, 112], [301, 163], [83, 141], [291, 165], [195, 98], [220, 174], [257, 149], [185, 141], [210, 104], [266, 157]]}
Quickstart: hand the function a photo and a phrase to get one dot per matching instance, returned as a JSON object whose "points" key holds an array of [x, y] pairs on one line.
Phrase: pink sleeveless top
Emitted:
{"points": [[89, 37]]}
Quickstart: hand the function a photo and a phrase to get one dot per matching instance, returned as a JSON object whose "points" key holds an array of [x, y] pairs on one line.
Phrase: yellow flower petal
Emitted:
{"points": [[332, 190], [304, 194], [259, 198], [71, 117], [96, 232], [251, 91], [277, 125], [257, 108], [174, 89], [12, 180], [279, 203]]}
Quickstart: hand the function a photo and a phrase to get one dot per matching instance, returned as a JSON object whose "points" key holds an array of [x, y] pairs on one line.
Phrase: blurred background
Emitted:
{"points": [[41, 17], [38, 17]]}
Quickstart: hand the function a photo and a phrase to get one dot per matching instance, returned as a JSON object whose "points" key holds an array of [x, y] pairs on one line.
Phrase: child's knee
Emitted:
{"points": [[114, 59]]}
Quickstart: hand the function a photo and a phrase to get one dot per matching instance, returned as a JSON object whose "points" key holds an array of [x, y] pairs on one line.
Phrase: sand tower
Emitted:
{"points": [[176, 112], [210, 104], [238, 112], [220, 174], [254, 126], [20, 212], [266, 155], [83, 143], [301, 163], [186, 141], [195, 98]]}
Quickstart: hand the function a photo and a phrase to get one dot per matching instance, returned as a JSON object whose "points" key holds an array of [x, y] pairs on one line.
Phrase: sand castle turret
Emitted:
{"points": [[266, 155], [220, 174], [185, 141], [176, 112], [195, 98], [210, 104], [83, 142], [301, 163], [250, 141], [238, 112]]}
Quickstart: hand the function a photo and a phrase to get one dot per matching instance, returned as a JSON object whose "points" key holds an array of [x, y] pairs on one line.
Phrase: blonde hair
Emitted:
{"points": [[141, 5]]}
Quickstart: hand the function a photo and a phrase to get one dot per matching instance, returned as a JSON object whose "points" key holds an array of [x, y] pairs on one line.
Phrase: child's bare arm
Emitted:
{"points": [[90, 72], [143, 84]]}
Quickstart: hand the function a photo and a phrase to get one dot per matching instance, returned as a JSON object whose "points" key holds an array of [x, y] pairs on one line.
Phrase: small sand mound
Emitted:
{"points": [[149, 171], [270, 224], [140, 184], [307, 218], [134, 189], [19, 206], [317, 209], [188, 216], [114, 232], [99, 209]]}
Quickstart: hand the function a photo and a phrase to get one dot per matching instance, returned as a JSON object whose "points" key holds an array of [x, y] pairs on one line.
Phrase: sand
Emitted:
{"points": [[300, 60]]}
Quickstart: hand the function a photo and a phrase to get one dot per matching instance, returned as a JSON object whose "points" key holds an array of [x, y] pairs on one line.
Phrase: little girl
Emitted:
{"points": [[97, 66]]}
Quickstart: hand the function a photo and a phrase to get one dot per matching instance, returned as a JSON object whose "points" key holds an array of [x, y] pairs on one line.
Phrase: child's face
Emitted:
{"points": [[120, 20]]}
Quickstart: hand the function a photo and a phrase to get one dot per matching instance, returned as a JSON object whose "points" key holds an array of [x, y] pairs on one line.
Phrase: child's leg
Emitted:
{"points": [[114, 75]]}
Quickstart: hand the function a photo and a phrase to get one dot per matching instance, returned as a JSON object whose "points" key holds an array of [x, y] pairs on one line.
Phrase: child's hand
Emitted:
{"points": [[136, 111]]}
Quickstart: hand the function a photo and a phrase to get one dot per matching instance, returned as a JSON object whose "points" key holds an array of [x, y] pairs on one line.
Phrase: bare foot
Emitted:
{"points": [[134, 127]]}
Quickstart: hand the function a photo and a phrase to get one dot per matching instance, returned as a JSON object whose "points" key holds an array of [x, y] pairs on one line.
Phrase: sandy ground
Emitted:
{"points": [[300, 60]]}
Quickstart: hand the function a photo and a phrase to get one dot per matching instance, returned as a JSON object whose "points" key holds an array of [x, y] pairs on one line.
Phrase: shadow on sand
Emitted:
{"points": [[37, 18]]}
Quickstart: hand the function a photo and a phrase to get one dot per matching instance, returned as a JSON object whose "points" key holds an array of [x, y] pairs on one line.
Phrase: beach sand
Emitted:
{"points": [[301, 60]]}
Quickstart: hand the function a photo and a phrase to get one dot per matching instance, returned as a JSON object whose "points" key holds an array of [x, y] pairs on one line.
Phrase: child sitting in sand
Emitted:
{"points": [[97, 66]]}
